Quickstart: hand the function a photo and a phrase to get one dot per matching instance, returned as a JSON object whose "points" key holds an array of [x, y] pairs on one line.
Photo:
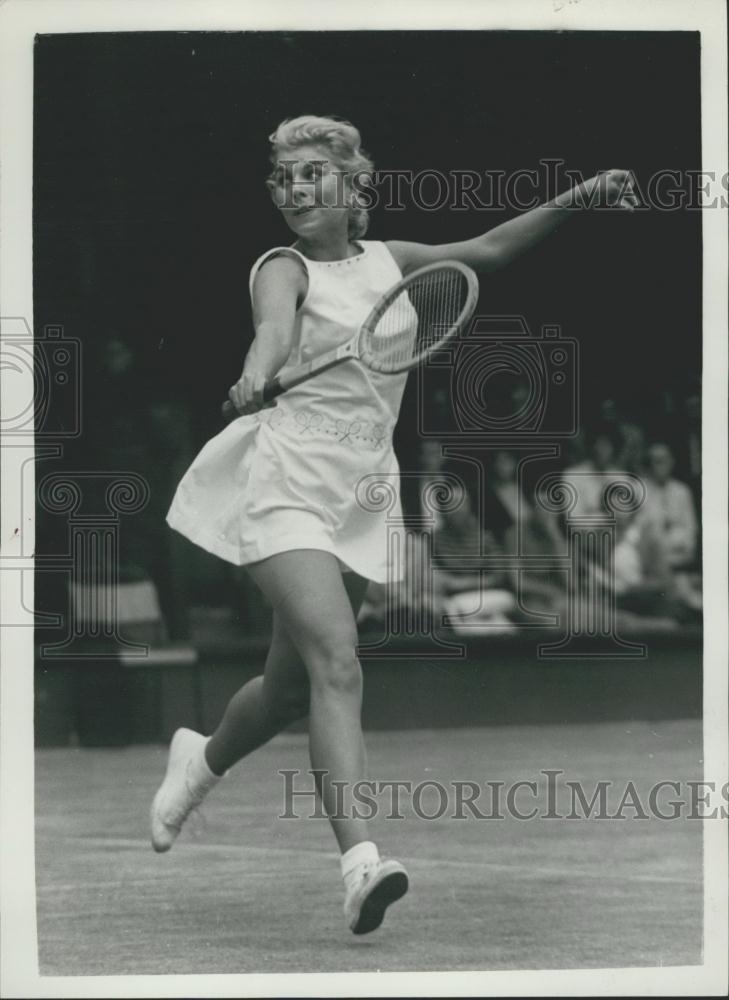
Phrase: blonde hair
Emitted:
{"points": [[344, 144]]}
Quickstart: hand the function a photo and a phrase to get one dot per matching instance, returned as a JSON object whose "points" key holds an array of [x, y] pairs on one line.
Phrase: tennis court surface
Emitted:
{"points": [[245, 891]]}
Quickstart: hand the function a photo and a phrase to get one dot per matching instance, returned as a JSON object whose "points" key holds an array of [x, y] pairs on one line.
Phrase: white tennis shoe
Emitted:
{"points": [[379, 884], [187, 781]]}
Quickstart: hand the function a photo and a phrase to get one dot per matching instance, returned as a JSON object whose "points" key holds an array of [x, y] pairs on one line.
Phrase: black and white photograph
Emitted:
{"points": [[364, 535]]}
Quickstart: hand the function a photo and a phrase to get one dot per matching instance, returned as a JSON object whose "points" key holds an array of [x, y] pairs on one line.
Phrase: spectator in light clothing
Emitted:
{"points": [[474, 598], [656, 547], [523, 528], [670, 506], [605, 445]]}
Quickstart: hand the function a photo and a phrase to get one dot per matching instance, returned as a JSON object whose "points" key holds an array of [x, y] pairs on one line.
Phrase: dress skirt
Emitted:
{"points": [[276, 481]]}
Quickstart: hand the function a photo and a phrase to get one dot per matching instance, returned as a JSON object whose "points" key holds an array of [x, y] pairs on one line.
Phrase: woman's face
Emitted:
{"points": [[310, 192]]}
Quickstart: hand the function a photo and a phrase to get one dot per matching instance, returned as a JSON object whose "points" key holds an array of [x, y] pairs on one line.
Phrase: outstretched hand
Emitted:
{"points": [[615, 189]]}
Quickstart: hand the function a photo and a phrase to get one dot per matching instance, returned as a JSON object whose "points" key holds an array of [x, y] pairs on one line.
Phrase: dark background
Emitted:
{"points": [[151, 150]]}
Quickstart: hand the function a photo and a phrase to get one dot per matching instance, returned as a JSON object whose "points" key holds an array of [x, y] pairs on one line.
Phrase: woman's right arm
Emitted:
{"points": [[277, 289]]}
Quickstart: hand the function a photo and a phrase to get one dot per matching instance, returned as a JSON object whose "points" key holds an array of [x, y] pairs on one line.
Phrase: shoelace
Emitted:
{"points": [[368, 868], [363, 873]]}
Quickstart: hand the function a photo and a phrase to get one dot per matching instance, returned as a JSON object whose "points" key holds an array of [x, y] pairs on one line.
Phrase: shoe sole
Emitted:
{"points": [[174, 751], [159, 847], [389, 890]]}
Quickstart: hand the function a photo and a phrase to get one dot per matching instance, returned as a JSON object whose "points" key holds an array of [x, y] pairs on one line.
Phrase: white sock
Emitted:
{"points": [[200, 770], [355, 859]]}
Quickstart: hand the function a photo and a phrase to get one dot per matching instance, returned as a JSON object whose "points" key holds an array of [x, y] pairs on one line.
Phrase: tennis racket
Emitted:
{"points": [[412, 320]]}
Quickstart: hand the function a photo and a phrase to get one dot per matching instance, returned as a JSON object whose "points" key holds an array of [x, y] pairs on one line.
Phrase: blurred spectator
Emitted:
{"points": [[679, 425], [604, 446], [426, 465], [475, 598], [669, 504], [407, 598], [692, 434], [632, 453], [629, 438], [131, 426], [523, 528], [459, 535], [510, 514], [589, 480], [643, 581], [432, 465], [654, 543]]}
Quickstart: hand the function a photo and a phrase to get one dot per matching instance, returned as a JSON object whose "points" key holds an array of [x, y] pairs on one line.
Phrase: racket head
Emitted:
{"points": [[418, 316]]}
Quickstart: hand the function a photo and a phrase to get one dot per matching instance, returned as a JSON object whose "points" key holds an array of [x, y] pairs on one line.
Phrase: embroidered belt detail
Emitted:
{"points": [[308, 422]]}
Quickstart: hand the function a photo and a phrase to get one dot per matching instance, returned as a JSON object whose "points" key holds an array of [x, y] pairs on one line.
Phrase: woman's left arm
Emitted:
{"points": [[499, 246]]}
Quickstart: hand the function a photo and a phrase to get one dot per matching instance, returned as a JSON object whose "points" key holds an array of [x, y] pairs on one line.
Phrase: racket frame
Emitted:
{"points": [[356, 348], [369, 325]]}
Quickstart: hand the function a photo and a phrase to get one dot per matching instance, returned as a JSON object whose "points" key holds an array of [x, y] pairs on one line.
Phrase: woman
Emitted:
{"points": [[473, 599], [275, 490], [523, 528]]}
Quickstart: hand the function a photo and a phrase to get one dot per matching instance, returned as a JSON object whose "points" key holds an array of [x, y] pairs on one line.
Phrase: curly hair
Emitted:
{"points": [[344, 144]]}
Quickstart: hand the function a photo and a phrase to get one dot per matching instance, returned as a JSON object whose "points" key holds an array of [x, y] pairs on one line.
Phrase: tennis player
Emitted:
{"points": [[275, 490]]}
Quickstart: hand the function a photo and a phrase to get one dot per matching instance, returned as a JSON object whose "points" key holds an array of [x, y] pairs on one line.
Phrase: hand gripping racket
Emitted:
{"points": [[412, 320]]}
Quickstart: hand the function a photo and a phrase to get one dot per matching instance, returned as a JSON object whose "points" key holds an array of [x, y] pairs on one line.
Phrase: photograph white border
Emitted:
{"points": [[20, 20]]}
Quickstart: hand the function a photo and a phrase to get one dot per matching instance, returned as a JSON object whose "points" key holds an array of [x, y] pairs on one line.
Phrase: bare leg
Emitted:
{"points": [[313, 650], [308, 594], [262, 707], [267, 704]]}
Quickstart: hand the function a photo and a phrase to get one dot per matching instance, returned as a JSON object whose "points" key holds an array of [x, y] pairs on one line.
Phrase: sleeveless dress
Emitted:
{"points": [[287, 477]]}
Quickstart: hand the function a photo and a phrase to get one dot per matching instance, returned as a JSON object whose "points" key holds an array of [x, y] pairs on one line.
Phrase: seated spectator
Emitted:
{"points": [[670, 505], [436, 553], [631, 437], [604, 445], [643, 581], [432, 468], [653, 545], [523, 528], [511, 515], [152, 439], [681, 428], [474, 598], [637, 576]]}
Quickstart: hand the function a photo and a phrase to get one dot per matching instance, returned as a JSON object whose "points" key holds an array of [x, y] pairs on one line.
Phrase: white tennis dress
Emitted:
{"points": [[287, 477]]}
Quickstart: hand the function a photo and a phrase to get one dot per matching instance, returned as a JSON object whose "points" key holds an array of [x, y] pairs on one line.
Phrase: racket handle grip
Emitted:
{"points": [[271, 390]]}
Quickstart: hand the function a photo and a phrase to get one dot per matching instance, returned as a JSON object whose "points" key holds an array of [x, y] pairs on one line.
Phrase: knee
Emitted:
{"points": [[334, 666]]}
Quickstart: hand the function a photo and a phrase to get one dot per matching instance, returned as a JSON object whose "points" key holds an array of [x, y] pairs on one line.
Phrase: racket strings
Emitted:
{"points": [[417, 319]]}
